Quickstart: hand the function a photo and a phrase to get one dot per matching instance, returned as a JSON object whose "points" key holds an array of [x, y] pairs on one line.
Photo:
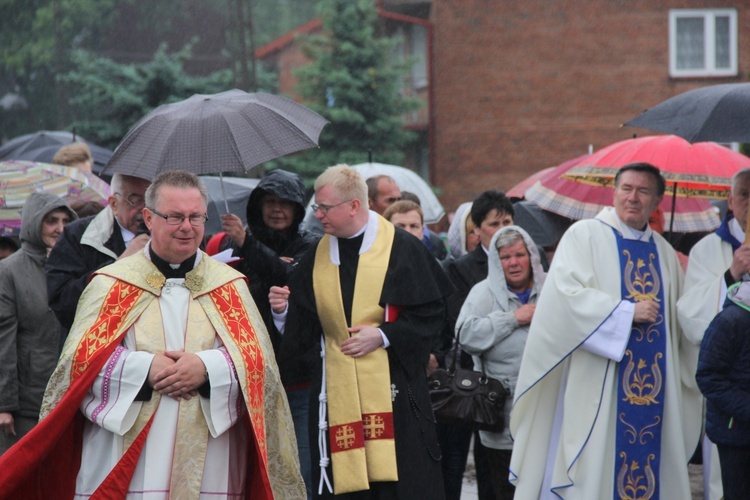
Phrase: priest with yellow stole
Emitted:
{"points": [[370, 297], [167, 385]]}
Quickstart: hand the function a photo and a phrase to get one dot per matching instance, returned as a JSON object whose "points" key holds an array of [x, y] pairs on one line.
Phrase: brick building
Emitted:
{"points": [[512, 87]]}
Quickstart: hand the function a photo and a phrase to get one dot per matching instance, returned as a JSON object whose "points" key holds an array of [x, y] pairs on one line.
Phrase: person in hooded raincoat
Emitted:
{"points": [[493, 325], [30, 335], [270, 249]]}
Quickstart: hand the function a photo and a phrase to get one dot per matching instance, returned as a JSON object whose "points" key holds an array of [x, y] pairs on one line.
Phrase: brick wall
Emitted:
{"points": [[523, 85]]}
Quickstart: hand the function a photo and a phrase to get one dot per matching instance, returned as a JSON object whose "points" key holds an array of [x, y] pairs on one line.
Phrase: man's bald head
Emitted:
{"points": [[382, 192]]}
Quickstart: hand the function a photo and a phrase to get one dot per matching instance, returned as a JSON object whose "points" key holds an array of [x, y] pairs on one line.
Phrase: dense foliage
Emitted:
{"points": [[97, 65]]}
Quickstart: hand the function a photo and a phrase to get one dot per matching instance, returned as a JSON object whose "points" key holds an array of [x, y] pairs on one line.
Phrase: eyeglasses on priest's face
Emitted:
{"points": [[178, 219], [325, 208]]}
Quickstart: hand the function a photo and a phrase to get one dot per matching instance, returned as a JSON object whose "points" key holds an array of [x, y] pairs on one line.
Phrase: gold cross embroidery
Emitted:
{"points": [[345, 437], [374, 426]]}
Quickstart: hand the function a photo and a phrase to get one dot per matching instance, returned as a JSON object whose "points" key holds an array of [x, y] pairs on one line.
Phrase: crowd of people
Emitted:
{"points": [[136, 365]]}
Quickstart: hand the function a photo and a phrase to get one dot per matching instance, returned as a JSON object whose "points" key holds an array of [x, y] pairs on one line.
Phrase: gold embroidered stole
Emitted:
{"points": [[244, 347], [360, 409]]}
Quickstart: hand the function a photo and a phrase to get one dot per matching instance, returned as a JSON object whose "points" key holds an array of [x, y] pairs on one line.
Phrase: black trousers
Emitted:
{"points": [[499, 467], [735, 471]]}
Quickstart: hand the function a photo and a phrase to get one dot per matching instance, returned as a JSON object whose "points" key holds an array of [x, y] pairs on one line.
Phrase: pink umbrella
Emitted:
{"points": [[518, 191]]}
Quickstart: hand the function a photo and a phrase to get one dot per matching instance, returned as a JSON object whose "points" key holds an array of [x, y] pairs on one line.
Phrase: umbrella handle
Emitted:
{"points": [[671, 218], [223, 193]]}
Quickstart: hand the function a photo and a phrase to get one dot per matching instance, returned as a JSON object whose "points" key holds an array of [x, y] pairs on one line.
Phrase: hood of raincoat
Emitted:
{"points": [[36, 207], [285, 185], [496, 275]]}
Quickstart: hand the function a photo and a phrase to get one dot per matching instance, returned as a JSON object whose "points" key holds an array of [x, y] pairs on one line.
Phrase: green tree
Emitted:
{"points": [[36, 37], [354, 83], [112, 97]]}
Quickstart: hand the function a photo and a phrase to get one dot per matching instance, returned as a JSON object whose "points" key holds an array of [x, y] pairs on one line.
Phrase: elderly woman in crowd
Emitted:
{"points": [[493, 325]]}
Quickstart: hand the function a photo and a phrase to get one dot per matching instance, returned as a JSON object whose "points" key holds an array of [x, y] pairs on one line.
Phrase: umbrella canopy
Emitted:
{"points": [[235, 192], [702, 170], [41, 147], [407, 180], [18, 179], [713, 113], [231, 131], [518, 191], [577, 200], [545, 227]]}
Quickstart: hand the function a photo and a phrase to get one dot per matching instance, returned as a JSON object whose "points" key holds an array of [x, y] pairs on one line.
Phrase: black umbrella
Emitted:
{"points": [[226, 195], [545, 227], [42, 146], [716, 113], [231, 131]]}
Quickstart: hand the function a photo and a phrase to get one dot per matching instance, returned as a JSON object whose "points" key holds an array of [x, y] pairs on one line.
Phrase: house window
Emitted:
{"points": [[419, 54], [702, 42]]}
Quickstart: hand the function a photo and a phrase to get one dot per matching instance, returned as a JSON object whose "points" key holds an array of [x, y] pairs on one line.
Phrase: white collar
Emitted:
{"points": [[736, 230], [609, 217], [371, 232]]}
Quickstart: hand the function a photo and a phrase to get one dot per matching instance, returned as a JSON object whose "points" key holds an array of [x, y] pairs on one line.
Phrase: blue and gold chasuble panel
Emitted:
{"points": [[640, 393]]}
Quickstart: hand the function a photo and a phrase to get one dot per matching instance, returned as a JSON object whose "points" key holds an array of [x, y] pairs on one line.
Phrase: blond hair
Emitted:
{"points": [[73, 154], [345, 181]]}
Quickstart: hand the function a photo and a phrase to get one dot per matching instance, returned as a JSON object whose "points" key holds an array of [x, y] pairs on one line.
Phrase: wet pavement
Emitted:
{"points": [[469, 489]]}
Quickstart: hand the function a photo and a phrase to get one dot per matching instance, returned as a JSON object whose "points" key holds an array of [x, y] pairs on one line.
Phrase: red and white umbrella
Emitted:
{"points": [[581, 187]]}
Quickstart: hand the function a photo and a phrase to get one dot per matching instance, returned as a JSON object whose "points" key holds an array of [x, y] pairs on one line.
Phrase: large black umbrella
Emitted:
{"points": [[231, 131], [545, 227], [41, 147], [718, 113]]}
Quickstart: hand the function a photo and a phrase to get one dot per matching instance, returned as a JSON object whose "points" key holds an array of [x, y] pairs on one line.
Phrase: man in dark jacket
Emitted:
{"points": [[271, 248], [724, 379], [94, 242], [490, 212]]}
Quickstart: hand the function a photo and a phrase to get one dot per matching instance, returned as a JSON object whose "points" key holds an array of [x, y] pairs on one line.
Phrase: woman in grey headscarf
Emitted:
{"points": [[493, 325]]}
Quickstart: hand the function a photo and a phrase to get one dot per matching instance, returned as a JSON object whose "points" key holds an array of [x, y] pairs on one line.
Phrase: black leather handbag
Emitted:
{"points": [[467, 397]]}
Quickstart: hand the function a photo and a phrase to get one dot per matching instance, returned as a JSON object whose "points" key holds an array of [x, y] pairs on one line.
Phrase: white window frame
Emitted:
{"points": [[709, 24], [418, 45]]}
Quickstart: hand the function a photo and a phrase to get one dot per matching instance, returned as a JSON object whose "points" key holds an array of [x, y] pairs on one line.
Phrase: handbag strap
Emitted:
{"points": [[456, 354], [454, 350]]}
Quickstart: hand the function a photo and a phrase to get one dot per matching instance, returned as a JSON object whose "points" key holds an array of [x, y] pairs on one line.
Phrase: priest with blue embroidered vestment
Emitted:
{"points": [[605, 405]]}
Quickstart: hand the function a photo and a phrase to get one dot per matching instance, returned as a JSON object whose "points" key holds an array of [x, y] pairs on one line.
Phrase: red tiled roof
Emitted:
{"points": [[285, 40]]}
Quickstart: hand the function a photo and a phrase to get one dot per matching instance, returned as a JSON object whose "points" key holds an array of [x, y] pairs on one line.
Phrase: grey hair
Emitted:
{"points": [[120, 180], [738, 177], [174, 178], [508, 238]]}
